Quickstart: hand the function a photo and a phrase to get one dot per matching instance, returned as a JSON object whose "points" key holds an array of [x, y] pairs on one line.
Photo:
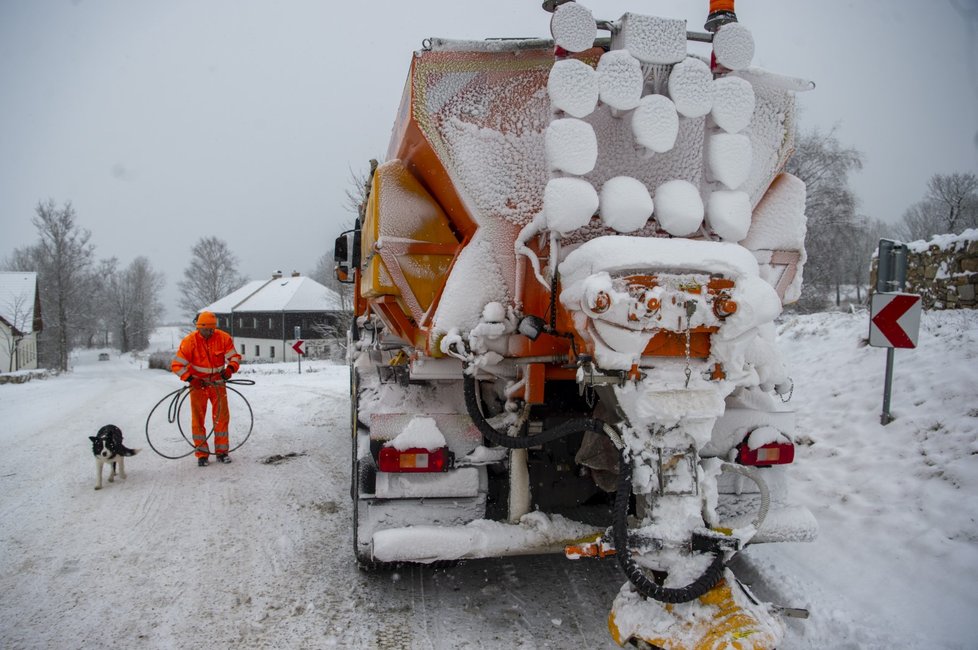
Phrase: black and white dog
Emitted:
{"points": [[108, 448]]}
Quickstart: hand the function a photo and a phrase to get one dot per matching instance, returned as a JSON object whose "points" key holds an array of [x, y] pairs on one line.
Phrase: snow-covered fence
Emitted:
{"points": [[942, 270]]}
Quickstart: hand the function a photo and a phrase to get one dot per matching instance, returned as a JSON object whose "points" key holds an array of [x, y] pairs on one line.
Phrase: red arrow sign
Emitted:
{"points": [[298, 347], [888, 309]]}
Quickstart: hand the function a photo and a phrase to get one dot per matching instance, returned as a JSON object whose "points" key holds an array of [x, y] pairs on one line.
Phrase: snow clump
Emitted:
{"points": [[679, 208], [573, 87], [655, 123], [733, 103], [569, 204], [728, 213], [733, 46], [420, 433], [651, 39], [571, 146], [625, 204], [729, 156], [573, 27], [620, 79], [691, 87]]}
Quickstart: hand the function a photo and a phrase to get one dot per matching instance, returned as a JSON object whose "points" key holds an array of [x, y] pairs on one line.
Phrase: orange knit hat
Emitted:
{"points": [[206, 319]]}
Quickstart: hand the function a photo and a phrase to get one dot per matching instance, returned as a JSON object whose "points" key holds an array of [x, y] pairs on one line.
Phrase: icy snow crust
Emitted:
{"points": [[571, 146], [625, 204], [573, 27], [655, 123], [651, 39], [620, 80], [573, 87]]}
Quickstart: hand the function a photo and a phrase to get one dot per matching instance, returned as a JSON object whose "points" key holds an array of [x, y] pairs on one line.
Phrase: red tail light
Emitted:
{"points": [[773, 453], [413, 460]]}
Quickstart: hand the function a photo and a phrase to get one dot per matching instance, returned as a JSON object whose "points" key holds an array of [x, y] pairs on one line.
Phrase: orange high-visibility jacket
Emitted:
{"points": [[200, 357]]}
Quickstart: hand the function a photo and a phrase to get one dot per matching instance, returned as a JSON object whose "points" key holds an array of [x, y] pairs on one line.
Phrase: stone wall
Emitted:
{"points": [[942, 270]]}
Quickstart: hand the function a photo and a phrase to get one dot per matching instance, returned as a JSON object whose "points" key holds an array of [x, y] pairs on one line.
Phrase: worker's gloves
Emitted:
{"points": [[193, 382], [226, 373]]}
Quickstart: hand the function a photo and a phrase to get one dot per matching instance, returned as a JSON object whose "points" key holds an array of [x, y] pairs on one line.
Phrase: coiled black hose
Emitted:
{"points": [[521, 442], [645, 585], [177, 399]]}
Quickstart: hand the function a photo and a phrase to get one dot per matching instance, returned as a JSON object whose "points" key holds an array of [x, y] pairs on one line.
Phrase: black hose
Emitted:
{"points": [[645, 585], [177, 399], [577, 425]]}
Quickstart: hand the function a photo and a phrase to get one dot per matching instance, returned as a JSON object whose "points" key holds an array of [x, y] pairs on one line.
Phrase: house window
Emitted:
{"points": [[271, 351], [243, 346], [270, 323], [257, 350], [254, 322], [240, 322]]}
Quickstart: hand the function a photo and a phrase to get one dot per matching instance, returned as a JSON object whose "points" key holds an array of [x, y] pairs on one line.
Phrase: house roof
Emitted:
{"points": [[227, 304], [18, 299], [289, 293]]}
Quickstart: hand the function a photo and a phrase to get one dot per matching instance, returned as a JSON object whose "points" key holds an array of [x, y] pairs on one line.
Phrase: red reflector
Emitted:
{"points": [[413, 459], [773, 453]]}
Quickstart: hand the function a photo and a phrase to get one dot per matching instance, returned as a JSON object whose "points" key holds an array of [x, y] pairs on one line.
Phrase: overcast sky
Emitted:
{"points": [[164, 122]]}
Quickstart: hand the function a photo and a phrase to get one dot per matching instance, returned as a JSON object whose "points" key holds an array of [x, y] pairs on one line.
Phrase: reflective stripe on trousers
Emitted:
{"points": [[217, 396]]}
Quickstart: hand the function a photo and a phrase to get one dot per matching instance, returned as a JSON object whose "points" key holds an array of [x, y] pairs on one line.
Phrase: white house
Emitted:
{"points": [[20, 320], [266, 317]]}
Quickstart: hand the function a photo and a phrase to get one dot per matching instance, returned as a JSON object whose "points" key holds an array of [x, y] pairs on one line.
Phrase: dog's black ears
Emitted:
{"points": [[92, 438]]}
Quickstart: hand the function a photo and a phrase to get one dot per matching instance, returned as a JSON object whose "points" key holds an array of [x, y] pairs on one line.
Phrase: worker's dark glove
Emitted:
{"points": [[193, 382], [226, 374]]}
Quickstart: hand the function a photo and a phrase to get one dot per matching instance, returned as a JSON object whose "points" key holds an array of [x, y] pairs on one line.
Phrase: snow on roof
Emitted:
{"points": [[17, 298], [228, 303], [295, 293]]}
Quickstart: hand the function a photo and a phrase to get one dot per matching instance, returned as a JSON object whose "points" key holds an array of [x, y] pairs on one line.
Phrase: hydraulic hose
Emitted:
{"points": [[576, 425], [753, 475], [645, 585]]}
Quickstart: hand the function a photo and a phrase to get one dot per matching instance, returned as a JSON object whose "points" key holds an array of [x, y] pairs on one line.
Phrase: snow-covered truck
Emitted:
{"points": [[566, 276]]}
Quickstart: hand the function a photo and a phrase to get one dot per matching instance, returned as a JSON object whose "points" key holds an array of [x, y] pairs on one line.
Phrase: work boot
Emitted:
{"points": [[202, 462], [223, 458]]}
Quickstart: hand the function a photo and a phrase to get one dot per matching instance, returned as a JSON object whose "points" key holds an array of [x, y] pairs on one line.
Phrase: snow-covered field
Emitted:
{"points": [[258, 553]]}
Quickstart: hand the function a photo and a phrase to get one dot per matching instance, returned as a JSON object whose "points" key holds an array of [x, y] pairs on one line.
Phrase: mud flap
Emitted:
{"points": [[727, 616]]}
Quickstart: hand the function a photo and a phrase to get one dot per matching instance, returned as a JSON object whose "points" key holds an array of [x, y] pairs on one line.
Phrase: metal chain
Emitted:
{"points": [[690, 308]]}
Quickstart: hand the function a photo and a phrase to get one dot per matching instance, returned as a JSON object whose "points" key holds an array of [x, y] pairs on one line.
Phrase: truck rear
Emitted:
{"points": [[566, 276]]}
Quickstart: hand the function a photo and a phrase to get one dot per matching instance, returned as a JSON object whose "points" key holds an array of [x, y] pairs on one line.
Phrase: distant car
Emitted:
{"points": [[103, 356]]}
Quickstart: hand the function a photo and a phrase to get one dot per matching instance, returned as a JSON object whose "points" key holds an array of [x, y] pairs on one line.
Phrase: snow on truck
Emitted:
{"points": [[566, 276]]}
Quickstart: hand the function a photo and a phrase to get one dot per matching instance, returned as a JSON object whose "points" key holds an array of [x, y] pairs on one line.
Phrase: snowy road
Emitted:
{"points": [[258, 554], [248, 555]]}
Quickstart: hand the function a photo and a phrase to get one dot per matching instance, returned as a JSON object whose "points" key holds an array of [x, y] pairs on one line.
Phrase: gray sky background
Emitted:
{"points": [[164, 122]]}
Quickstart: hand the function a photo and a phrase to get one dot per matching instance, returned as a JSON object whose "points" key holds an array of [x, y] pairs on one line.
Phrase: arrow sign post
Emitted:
{"points": [[297, 346], [894, 322]]}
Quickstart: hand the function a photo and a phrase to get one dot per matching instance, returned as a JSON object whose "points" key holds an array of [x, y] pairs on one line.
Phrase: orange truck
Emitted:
{"points": [[566, 275]]}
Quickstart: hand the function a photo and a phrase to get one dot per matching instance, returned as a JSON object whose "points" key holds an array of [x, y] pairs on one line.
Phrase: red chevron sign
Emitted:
{"points": [[894, 320], [297, 346]]}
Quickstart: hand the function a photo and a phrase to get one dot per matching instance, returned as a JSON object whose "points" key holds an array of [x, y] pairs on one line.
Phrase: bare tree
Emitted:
{"points": [[957, 197], [950, 206], [62, 258], [832, 240], [134, 305], [16, 313], [98, 329], [324, 275], [212, 274]]}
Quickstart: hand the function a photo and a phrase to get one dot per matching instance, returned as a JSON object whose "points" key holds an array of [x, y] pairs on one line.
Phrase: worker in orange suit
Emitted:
{"points": [[205, 360]]}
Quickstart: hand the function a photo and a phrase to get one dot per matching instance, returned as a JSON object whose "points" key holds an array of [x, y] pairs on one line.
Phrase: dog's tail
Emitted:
{"points": [[126, 451]]}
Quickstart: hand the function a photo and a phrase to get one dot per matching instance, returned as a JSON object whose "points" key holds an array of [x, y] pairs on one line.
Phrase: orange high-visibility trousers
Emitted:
{"points": [[217, 397]]}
